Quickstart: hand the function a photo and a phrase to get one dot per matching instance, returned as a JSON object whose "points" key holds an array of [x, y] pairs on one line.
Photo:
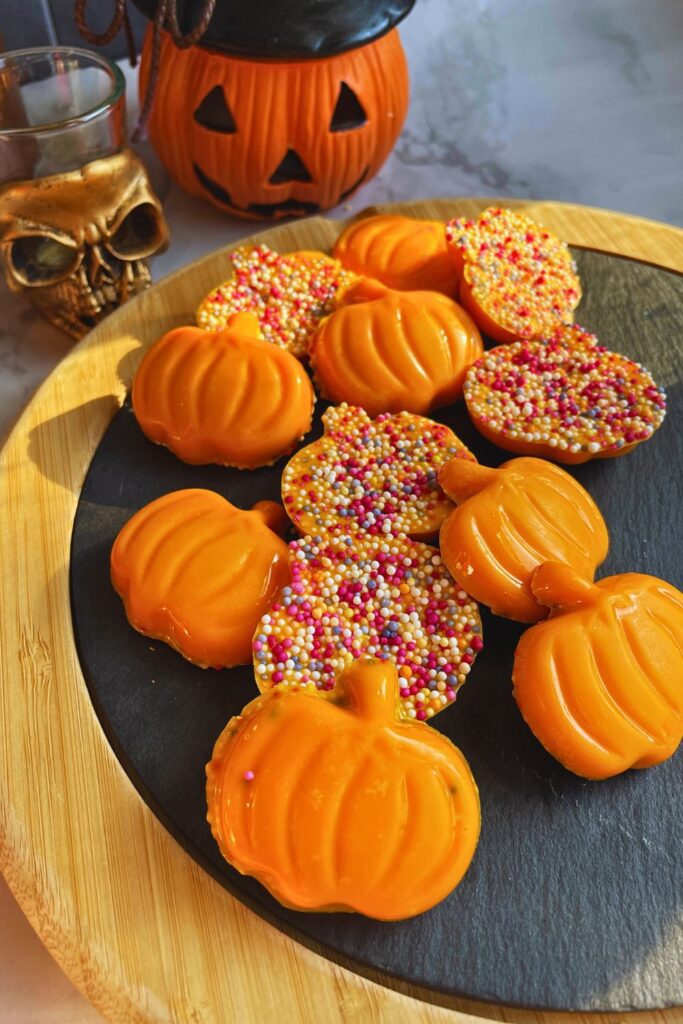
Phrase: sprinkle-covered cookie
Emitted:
{"points": [[518, 280], [377, 477], [393, 601], [567, 398], [289, 294]]}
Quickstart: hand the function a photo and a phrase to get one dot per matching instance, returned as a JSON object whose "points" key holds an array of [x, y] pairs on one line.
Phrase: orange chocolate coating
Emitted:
{"points": [[599, 683], [510, 520], [401, 252], [223, 396], [198, 573], [343, 806], [391, 351]]}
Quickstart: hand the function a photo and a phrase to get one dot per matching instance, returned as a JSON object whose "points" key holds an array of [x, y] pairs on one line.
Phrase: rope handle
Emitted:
{"points": [[166, 16]]}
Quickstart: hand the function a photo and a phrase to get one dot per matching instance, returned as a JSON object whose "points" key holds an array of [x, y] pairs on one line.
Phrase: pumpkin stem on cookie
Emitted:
{"points": [[371, 687], [364, 290], [273, 515], [461, 478], [555, 585], [245, 323]]}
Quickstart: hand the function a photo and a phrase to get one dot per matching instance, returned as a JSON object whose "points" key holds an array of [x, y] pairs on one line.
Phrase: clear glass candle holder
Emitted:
{"points": [[60, 108]]}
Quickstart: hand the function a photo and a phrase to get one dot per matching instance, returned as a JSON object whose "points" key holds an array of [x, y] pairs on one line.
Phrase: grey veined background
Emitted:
{"points": [[579, 100]]}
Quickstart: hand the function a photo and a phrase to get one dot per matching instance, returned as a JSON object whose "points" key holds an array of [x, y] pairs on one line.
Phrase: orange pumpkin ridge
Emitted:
{"points": [[223, 396], [510, 520], [391, 351], [339, 805], [198, 573], [273, 109], [599, 683], [402, 252]]}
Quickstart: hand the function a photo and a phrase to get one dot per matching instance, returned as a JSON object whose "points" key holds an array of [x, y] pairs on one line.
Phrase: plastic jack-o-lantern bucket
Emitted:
{"points": [[283, 109]]}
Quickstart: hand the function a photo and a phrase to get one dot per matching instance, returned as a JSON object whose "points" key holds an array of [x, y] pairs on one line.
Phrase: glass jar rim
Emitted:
{"points": [[117, 91]]}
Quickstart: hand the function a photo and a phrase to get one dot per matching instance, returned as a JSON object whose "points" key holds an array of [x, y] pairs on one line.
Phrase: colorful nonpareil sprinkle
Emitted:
{"points": [[377, 477], [516, 272], [392, 601], [289, 294], [567, 398]]}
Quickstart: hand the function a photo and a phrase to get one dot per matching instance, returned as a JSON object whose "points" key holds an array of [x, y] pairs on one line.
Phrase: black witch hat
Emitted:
{"points": [[288, 29]]}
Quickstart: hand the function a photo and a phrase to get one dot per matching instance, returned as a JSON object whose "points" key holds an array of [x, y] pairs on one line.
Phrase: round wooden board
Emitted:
{"points": [[132, 919]]}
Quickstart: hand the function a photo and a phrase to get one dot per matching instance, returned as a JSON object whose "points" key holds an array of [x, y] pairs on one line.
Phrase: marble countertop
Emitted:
{"points": [[557, 99]]}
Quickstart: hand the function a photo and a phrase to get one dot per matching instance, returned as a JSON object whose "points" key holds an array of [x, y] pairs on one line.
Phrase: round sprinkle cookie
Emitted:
{"points": [[393, 601], [289, 294], [567, 398], [377, 477], [518, 280]]}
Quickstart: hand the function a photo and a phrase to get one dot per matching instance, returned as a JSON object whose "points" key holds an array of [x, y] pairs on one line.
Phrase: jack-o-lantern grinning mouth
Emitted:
{"points": [[295, 207]]}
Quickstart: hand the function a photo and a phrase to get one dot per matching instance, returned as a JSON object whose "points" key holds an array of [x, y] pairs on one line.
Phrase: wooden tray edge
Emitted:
{"points": [[125, 941]]}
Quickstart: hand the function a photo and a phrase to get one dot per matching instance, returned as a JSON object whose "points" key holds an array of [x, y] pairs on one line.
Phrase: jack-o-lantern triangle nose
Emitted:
{"points": [[290, 168]]}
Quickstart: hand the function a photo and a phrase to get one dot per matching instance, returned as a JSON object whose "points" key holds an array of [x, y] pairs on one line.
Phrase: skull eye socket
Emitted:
{"points": [[139, 234], [215, 114], [348, 111], [38, 260]]}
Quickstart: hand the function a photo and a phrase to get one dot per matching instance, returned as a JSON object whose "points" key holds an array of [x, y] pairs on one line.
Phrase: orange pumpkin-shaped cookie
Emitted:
{"points": [[198, 573], [342, 806], [600, 682], [401, 252], [510, 520], [391, 351], [223, 396]]}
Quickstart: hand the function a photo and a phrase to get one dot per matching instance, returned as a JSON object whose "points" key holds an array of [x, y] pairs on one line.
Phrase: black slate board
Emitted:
{"points": [[573, 898]]}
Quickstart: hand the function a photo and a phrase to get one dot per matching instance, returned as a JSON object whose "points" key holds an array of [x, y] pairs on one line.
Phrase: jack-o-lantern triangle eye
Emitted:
{"points": [[214, 113], [348, 112]]}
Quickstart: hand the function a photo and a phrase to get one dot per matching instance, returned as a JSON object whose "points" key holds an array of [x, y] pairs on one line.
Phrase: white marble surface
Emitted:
{"points": [[577, 100]]}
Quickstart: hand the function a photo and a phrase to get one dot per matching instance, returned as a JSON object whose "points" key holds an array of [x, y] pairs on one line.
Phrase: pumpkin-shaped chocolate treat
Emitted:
{"points": [[401, 252], [285, 108], [342, 806], [600, 682], [223, 396], [386, 597], [197, 573], [377, 477], [391, 351], [289, 294], [510, 520]]}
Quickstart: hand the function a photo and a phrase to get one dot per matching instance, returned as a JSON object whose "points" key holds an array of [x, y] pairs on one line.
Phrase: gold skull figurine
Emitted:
{"points": [[76, 243]]}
